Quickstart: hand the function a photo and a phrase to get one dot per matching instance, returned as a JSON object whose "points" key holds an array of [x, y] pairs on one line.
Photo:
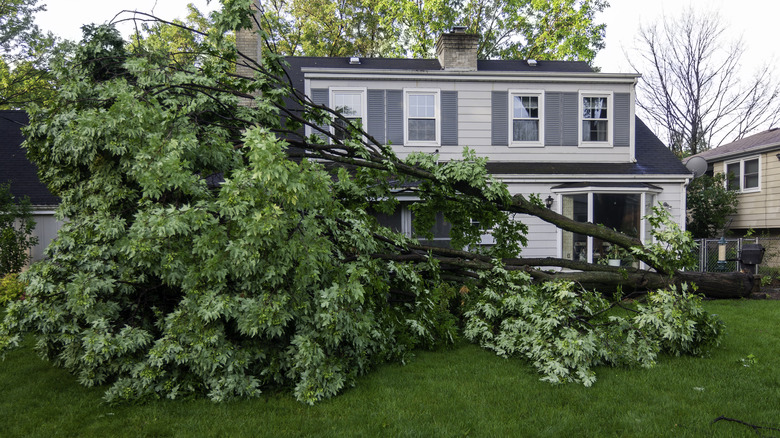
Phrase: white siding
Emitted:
{"points": [[46, 227], [474, 117]]}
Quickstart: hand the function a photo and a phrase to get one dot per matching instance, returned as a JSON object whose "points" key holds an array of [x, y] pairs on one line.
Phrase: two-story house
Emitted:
{"points": [[552, 128], [752, 165]]}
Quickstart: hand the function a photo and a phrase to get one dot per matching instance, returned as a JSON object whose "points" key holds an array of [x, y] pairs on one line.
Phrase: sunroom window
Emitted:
{"points": [[622, 212]]}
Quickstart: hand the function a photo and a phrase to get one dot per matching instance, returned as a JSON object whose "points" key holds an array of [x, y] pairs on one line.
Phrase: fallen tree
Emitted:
{"points": [[213, 250]]}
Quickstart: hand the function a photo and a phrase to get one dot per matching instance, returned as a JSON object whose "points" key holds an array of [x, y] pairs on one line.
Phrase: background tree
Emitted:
{"points": [[692, 86], [508, 29], [199, 258], [709, 205], [16, 227], [25, 52]]}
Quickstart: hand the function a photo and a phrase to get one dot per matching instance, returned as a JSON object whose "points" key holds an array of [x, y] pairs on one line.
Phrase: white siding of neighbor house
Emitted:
{"points": [[759, 210], [474, 114]]}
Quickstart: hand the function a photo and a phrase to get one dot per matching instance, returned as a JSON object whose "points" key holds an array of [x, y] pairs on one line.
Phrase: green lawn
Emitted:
{"points": [[462, 392]]}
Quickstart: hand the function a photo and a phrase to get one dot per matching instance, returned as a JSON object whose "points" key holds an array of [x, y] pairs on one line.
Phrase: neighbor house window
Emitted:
{"points": [[423, 121], [743, 175], [596, 119], [526, 112], [350, 103]]}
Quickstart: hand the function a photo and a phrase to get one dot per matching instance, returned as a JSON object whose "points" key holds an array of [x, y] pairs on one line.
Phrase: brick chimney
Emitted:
{"points": [[248, 43], [457, 50]]}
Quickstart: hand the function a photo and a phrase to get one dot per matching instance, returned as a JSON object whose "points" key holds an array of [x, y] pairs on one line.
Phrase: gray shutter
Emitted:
{"points": [[395, 117], [375, 125], [320, 96], [622, 111], [500, 118], [570, 111], [449, 118], [553, 126]]}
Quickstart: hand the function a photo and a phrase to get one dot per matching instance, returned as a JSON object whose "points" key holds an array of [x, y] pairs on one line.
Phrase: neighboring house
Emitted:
{"points": [[552, 128], [22, 175], [753, 169]]}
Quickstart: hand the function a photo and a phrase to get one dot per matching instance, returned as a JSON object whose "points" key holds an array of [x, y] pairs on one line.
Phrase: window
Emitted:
{"points": [[526, 112], [743, 175], [595, 127], [620, 211], [350, 103], [401, 222], [422, 125]]}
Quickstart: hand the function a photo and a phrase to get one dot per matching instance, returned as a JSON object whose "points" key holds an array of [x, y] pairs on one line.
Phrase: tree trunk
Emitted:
{"points": [[710, 284]]}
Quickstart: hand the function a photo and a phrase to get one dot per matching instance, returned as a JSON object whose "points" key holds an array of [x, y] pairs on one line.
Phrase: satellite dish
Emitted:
{"points": [[697, 165]]}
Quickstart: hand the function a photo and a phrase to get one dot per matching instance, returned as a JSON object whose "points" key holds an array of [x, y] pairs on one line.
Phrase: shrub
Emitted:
{"points": [[16, 227], [11, 289]]}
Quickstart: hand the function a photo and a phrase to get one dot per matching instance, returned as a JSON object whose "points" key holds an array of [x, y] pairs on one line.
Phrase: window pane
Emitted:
{"points": [[422, 129], [392, 221], [348, 104], [526, 107], [441, 232], [617, 211], [594, 108], [340, 127], [575, 246], [751, 174], [525, 130], [422, 105], [732, 176], [594, 130]]}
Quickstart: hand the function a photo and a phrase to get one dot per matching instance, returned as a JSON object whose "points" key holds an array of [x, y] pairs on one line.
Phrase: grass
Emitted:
{"points": [[465, 391]]}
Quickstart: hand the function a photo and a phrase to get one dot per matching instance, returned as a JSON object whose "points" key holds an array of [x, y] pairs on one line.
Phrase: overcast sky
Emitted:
{"points": [[754, 20]]}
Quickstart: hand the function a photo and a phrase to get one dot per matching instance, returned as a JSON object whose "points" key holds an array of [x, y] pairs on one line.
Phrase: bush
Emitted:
{"points": [[11, 289], [16, 227]]}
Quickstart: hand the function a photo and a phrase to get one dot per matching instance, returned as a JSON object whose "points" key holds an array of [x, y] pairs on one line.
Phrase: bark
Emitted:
{"points": [[606, 279], [709, 284]]}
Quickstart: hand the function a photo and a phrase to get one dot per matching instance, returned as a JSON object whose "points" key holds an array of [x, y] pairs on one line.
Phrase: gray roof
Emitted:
{"points": [[296, 62], [761, 142], [14, 165]]}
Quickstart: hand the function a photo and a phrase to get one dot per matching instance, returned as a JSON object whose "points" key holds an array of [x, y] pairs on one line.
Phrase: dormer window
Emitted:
{"points": [[422, 114], [596, 119]]}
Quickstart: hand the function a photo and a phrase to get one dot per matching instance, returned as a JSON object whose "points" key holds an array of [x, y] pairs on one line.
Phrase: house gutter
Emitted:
{"points": [[471, 76]]}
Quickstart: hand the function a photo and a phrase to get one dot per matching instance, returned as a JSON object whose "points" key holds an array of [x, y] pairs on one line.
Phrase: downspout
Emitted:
{"points": [[684, 203]]}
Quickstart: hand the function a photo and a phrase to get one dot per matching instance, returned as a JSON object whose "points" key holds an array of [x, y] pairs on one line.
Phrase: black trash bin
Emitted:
{"points": [[752, 254]]}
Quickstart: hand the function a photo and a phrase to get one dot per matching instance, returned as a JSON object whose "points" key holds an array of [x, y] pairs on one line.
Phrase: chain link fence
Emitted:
{"points": [[708, 254]]}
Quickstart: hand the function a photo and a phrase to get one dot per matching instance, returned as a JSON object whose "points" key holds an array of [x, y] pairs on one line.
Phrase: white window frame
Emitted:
{"points": [[610, 118], [741, 161], [350, 90], [437, 115], [526, 93], [590, 191]]}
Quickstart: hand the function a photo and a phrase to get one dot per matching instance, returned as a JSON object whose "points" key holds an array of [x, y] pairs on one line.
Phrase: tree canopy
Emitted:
{"points": [[508, 29], [211, 250], [710, 205], [25, 52]]}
